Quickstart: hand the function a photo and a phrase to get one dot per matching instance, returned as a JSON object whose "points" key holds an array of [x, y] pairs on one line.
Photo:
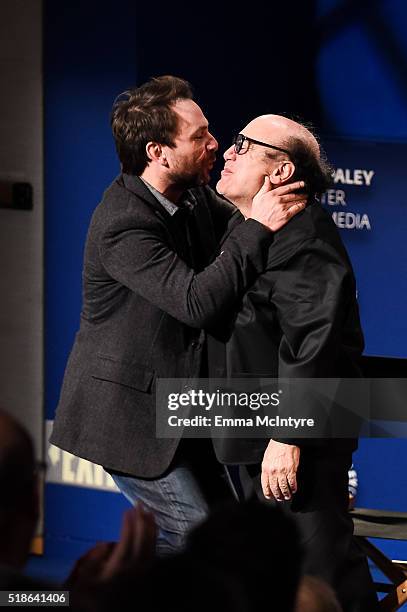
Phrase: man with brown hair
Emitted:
{"points": [[148, 292]]}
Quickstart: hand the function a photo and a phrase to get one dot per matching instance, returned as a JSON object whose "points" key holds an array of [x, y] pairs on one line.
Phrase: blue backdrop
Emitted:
{"points": [[368, 204], [89, 57], [345, 68]]}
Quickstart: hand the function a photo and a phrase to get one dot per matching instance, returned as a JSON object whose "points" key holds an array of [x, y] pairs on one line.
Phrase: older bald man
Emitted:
{"points": [[299, 320]]}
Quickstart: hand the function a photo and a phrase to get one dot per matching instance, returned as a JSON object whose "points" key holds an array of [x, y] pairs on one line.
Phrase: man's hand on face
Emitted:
{"points": [[279, 470], [274, 207]]}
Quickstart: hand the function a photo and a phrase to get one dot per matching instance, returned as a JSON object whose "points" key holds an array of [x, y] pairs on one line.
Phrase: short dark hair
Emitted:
{"points": [[145, 114], [314, 170]]}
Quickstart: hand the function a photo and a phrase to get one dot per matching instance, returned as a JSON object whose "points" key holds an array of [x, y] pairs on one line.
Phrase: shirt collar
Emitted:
{"points": [[170, 207], [188, 200]]}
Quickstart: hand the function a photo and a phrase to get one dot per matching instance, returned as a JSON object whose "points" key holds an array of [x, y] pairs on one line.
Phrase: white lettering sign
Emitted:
{"points": [[345, 176]]}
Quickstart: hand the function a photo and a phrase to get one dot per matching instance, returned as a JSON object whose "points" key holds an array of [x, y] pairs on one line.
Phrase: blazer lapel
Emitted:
{"points": [[136, 186], [204, 225]]}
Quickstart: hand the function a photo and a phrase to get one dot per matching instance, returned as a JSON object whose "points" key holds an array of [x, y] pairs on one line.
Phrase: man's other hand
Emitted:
{"points": [[279, 470], [274, 207]]}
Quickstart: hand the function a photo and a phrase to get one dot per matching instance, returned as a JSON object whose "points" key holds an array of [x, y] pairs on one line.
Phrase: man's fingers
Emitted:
{"points": [[275, 488], [289, 188], [265, 485], [294, 209], [127, 534], [300, 204], [145, 536], [284, 487], [122, 549], [292, 197], [292, 481], [278, 486]]}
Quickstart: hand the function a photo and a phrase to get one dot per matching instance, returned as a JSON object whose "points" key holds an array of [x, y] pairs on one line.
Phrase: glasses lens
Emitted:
{"points": [[239, 140]]}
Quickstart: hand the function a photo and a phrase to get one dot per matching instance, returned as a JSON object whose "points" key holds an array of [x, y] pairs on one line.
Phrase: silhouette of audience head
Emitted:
{"points": [[19, 507], [258, 547], [176, 584]]}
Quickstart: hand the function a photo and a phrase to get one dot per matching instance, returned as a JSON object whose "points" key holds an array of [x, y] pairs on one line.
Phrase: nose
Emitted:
{"points": [[213, 143], [230, 153]]}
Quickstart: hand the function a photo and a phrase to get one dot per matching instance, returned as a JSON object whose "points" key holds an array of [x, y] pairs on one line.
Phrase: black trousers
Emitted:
{"points": [[320, 510]]}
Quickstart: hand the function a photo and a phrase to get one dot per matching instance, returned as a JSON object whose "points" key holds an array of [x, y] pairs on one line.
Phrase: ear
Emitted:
{"points": [[155, 153], [282, 172]]}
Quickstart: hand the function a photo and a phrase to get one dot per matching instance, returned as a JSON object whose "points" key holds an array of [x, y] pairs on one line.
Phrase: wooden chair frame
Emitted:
{"points": [[386, 525]]}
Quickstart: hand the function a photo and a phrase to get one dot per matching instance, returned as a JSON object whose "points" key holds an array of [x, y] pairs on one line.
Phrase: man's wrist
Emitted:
{"points": [[251, 220], [287, 441]]}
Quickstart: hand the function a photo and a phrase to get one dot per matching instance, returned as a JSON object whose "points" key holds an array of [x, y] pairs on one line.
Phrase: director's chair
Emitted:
{"points": [[390, 526]]}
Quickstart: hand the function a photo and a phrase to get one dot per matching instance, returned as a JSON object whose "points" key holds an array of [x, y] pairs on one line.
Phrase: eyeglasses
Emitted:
{"points": [[240, 139]]}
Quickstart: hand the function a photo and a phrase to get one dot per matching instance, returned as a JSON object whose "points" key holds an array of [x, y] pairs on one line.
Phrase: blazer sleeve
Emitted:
{"points": [[311, 295], [139, 256]]}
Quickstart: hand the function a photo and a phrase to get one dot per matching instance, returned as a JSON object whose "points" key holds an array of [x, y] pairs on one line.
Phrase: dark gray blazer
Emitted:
{"points": [[142, 316]]}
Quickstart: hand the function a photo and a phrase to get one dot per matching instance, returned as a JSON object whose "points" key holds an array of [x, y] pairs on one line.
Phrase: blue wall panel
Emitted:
{"points": [[362, 68], [79, 517], [375, 236], [87, 61], [362, 80], [89, 56]]}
